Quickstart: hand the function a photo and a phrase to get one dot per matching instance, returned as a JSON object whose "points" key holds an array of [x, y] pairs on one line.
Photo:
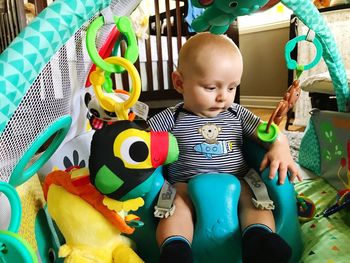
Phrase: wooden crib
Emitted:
{"points": [[168, 31], [13, 18]]}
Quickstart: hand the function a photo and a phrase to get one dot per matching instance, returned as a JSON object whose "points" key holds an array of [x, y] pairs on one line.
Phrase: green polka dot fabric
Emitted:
{"points": [[309, 154], [326, 240]]}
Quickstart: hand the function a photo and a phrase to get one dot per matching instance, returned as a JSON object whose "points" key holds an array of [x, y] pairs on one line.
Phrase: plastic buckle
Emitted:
{"points": [[263, 204], [165, 206], [108, 16], [310, 36], [162, 212]]}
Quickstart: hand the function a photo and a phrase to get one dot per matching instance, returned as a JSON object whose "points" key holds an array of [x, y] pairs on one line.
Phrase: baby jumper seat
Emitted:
{"points": [[217, 235]]}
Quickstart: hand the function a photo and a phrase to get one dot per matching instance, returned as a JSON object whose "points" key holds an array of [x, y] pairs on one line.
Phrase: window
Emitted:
{"points": [[275, 17]]}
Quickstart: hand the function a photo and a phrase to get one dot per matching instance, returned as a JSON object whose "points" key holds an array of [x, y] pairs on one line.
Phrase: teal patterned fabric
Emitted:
{"points": [[31, 50], [325, 148], [309, 154], [306, 11]]}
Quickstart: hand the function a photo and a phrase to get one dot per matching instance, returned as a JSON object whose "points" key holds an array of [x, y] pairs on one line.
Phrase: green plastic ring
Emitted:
{"points": [[125, 27], [267, 136]]}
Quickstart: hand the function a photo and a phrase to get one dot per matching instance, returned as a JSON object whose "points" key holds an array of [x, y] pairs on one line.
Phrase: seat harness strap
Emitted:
{"points": [[165, 206], [262, 199]]}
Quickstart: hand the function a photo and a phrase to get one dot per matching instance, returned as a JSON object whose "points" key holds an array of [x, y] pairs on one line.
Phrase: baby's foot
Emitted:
{"points": [[260, 244]]}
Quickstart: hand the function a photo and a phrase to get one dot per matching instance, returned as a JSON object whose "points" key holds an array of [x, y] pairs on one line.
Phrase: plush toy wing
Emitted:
{"points": [[42, 74]]}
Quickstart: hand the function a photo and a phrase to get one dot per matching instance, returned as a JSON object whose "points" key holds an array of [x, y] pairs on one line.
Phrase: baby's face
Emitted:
{"points": [[213, 90]]}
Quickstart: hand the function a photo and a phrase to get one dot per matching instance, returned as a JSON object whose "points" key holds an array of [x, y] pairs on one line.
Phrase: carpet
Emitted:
{"points": [[294, 138]]}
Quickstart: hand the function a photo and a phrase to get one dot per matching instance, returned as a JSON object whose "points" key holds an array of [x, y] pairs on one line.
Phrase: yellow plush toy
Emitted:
{"points": [[91, 229], [91, 206]]}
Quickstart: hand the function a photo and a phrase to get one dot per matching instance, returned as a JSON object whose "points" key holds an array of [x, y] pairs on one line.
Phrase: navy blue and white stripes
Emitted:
{"points": [[207, 145]]}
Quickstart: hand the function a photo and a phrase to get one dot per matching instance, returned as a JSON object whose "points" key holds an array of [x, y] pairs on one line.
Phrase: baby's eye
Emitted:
{"points": [[231, 88], [209, 88]]}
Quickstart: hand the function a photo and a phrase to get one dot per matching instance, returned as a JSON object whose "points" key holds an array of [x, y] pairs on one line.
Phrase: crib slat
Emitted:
{"points": [[40, 5], [169, 44], [137, 64], [178, 25], [159, 47], [149, 67], [125, 75], [233, 33]]}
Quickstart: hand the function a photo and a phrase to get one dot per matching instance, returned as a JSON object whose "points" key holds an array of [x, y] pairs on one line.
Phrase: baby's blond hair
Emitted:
{"points": [[200, 47]]}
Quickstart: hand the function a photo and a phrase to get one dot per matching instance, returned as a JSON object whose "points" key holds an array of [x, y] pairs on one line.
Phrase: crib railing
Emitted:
{"points": [[169, 24], [13, 18]]}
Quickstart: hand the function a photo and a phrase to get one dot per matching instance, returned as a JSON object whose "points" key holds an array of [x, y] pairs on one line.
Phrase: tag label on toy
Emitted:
{"points": [[140, 109], [262, 199]]}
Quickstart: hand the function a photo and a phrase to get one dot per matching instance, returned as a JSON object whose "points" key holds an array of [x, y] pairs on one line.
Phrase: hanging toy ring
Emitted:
{"points": [[14, 248], [125, 27], [106, 100], [291, 63], [15, 203]]}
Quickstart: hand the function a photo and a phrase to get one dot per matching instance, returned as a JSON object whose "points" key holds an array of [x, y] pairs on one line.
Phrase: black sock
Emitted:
{"points": [[176, 250], [260, 245]]}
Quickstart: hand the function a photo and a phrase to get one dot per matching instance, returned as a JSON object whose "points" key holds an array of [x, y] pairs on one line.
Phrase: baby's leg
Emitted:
{"points": [[249, 214], [175, 233], [260, 243]]}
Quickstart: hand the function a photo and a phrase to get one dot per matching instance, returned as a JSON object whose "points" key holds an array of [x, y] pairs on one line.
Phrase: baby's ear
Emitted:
{"points": [[177, 81]]}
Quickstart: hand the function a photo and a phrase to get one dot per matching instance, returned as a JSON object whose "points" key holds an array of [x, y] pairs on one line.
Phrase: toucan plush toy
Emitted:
{"points": [[124, 156]]}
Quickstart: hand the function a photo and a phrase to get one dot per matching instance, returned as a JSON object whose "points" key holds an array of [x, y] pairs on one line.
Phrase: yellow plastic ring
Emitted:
{"points": [[97, 79]]}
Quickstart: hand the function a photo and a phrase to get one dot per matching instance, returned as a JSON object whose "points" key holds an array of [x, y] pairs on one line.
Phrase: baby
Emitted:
{"points": [[209, 70]]}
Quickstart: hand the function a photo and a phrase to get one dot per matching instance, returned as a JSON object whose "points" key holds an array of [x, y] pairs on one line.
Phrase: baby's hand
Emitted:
{"points": [[280, 159]]}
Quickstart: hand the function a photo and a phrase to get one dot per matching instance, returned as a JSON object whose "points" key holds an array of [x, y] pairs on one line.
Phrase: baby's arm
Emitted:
{"points": [[279, 158]]}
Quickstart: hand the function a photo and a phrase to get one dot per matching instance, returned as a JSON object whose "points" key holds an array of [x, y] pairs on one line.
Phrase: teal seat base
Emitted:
{"points": [[217, 234]]}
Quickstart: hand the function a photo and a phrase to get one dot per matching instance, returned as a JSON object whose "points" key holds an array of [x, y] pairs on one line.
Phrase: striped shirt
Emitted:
{"points": [[206, 145]]}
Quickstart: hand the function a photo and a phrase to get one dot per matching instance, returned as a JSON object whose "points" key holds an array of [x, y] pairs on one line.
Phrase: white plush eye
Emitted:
{"points": [[134, 150]]}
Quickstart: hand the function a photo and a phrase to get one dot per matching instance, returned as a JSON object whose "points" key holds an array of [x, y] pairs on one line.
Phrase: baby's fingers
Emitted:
{"points": [[264, 163], [294, 173], [274, 166], [282, 173]]}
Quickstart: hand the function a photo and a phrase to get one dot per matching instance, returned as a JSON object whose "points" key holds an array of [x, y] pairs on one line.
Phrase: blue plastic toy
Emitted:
{"points": [[217, 236]]}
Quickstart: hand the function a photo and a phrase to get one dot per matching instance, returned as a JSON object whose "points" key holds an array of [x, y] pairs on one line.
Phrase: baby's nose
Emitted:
{"points": [[221, 96]]}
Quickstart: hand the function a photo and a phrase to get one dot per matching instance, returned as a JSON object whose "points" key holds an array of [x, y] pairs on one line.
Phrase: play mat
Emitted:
{"points": [[326, 239]]}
